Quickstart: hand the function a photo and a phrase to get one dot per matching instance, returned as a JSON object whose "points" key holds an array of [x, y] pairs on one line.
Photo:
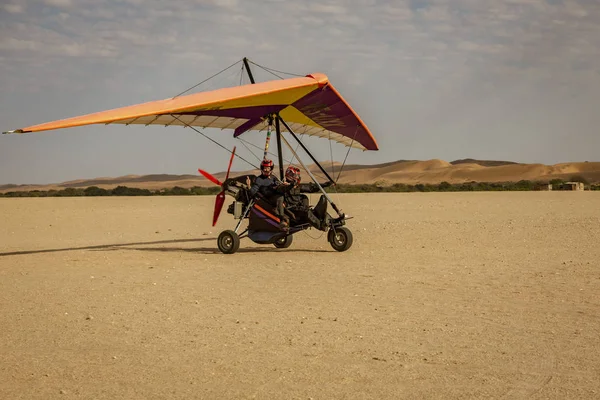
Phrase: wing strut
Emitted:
{"points": [[279, 153], [337, 210], [305, 149]]}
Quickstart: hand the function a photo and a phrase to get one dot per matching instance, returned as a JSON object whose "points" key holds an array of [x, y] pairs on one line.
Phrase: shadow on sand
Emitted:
{"points": [[102, 246], [214, 250], [125, 246]]}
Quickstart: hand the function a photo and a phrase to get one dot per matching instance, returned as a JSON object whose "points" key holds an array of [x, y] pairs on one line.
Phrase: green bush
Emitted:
{"points": [[96, 191], [445, 187], [203, 191], [178, 191], [127, 191]]}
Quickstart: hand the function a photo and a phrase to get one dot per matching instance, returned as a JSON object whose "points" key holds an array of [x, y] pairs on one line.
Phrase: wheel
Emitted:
{"points": [[228, 242], [284, 242], [340, 238]]}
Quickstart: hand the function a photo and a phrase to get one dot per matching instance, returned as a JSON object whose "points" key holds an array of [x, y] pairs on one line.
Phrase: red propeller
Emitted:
{"points": [[220, 200]]}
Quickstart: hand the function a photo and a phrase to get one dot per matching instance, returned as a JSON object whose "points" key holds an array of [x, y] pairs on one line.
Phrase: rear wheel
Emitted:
{"points": [[340, 238], [284, 242], [228, 242]]}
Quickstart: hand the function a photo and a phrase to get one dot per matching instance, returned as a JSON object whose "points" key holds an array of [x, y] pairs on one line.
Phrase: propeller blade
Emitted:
{"points": [[230, 162], [220, 200], [209, 177]]}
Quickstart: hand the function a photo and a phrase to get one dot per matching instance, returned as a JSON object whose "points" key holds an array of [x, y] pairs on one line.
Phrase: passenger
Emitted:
{"points": [[296, 202]]}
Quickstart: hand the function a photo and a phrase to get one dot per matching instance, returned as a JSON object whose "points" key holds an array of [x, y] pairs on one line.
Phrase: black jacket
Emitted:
{"points": [[264, 185], [294, 195]]}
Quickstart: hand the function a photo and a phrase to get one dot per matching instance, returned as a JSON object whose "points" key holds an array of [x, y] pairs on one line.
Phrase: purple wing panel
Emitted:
{"points": [[327, 108]]}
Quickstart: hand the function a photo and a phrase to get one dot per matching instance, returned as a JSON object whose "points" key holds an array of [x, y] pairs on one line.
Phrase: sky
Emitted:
{"points": [[515, 80]]}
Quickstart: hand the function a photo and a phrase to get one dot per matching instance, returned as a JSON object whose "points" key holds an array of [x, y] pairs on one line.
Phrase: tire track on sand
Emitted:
{"points": [[534, 379]]}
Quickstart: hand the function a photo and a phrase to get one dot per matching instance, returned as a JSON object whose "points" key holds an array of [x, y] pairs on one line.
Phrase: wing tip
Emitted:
{"points": [[13, 131]]}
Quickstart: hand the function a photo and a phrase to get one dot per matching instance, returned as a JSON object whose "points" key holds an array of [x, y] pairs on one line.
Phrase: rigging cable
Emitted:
{"points": [[242, 74], [247, 148], [294, 153], [198, 84], [271, 69], [298, 145], [272, 154], [212, 140], [331, 154], [348, 152], [334, 188]]}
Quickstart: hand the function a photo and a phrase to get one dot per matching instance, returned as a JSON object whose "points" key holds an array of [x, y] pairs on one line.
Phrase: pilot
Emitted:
{"points": [[265, 185], [265, 182]]}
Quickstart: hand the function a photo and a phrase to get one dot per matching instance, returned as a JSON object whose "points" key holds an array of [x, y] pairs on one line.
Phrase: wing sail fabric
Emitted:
{"points": [[310, 105]]}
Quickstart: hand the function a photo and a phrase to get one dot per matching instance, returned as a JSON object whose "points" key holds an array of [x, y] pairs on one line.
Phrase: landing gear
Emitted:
{"points": [[340, 238], [284, 242], [228, 242]]}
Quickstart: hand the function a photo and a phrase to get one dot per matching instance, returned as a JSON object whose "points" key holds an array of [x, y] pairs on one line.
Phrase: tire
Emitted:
{"points": [[228, 242], [340, 238], [284, 242]]}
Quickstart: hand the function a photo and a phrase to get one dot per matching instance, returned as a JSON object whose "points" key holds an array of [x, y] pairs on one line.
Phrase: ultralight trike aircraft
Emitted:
{"points": [[309, 105]]}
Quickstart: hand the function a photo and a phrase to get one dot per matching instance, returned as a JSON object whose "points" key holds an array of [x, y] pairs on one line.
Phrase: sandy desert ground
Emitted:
{"points": [[442, 296]]}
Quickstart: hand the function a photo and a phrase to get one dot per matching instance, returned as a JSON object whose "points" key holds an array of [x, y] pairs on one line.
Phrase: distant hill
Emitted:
{"points": [[126, 179], [402, 171]]}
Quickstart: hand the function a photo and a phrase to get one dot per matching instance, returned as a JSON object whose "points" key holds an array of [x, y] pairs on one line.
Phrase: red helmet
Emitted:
{"points": [[266, 164], [292, 174]]}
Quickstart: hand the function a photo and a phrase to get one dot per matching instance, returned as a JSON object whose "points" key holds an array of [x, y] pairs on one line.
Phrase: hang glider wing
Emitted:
{"points": [[310, 105]]}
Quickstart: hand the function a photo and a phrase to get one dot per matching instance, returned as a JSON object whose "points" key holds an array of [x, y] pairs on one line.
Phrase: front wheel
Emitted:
{"points": [[228, 242], [284, 242], [340, 238]]}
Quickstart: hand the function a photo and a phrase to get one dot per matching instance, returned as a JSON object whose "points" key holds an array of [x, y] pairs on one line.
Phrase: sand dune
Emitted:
{"points": [[404, 171], [436, 171]]}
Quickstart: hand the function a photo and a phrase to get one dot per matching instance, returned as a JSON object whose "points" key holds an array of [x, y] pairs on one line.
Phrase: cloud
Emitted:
{"points": [[13, 8], [321, 8], [503, 35], [58, 3]]}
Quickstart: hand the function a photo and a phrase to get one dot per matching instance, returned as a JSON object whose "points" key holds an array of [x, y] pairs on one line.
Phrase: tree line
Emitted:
{"points": [[523, 185]]}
